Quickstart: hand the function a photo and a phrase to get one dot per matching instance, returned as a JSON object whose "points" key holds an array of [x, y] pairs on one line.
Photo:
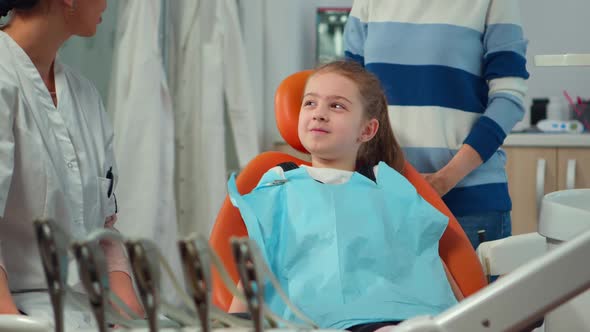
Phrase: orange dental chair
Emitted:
{"points": [[454, 247]]}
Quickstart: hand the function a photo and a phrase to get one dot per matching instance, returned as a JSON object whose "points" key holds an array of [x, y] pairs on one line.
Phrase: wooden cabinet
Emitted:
{"points": [[535, 171], [573, 166], [531, 171]]}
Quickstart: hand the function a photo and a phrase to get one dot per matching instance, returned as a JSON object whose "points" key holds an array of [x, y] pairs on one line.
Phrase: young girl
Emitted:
{"points": [[349, 239]]}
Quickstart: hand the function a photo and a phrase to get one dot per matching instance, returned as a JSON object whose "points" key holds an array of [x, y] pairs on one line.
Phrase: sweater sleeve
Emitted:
{"points": [[505, 72]]}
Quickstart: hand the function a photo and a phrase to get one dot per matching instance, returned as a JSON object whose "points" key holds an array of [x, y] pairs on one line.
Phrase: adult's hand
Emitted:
{"points": [[463, 163]]}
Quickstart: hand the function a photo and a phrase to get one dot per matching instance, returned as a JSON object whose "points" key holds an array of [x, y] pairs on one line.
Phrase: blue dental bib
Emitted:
{"points": [[351, 253]]}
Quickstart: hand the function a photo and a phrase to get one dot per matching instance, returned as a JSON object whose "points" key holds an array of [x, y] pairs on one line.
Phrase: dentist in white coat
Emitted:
{"points": [[56, 158]]}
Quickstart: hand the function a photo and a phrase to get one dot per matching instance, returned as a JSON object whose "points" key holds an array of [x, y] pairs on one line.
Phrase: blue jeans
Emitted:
{"points": [[497, 225]]}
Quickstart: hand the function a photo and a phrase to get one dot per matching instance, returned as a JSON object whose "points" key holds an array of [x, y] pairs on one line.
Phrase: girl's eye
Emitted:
{"points": [[308, 103], [338, 106]]}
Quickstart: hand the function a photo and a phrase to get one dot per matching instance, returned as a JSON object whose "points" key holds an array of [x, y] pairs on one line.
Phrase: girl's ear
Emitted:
{"points": [[369, 130]]}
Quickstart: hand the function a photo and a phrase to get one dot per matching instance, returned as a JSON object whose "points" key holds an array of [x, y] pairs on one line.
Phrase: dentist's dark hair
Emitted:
{"points": [[384, 146], [7, 5]]}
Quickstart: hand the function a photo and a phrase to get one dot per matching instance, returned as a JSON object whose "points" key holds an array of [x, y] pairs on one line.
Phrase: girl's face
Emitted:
{"points": [[332, 124], [83, 16]]}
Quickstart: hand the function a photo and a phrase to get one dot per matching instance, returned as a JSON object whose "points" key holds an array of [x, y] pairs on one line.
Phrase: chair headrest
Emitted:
{"points": [[287, 106]]}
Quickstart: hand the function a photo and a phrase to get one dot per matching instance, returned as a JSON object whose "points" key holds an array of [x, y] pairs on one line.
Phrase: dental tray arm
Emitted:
{"points": [[518, 299]]}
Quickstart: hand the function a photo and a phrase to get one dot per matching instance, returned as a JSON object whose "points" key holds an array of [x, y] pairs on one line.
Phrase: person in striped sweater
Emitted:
{"points": [[454, 73]]}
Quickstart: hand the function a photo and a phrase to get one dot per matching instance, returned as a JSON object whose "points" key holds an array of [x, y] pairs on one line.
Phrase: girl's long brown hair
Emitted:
{"points": [[383, 147]]}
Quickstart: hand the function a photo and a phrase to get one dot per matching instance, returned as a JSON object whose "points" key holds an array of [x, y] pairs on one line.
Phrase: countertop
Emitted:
{"points": [[548, 140]]}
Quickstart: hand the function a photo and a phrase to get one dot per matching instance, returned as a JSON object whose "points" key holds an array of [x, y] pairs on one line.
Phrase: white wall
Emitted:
{"points": [[285, 31], [280, 40], [92, 57], [557, 27]]}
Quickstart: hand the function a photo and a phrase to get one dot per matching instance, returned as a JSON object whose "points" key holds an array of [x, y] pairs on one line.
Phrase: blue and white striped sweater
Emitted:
{"points": [[454, 72]]}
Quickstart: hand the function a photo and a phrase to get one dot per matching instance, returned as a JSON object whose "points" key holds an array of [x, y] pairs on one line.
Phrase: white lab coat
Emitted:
{"points": [[53, 162], [144, 132], [209, 78]]}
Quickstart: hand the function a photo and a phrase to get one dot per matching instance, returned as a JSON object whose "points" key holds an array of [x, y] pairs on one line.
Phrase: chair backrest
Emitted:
{"points": [[454, 247]]}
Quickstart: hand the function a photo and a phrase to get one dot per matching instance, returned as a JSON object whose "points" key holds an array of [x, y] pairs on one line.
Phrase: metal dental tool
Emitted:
{"points": [[252, 268], [53, 245], [197, 258], [251, 282], [198, 255], [97, 236], [53, 248], [196, 262], [145, 259], [147, 277], [94, 278]]}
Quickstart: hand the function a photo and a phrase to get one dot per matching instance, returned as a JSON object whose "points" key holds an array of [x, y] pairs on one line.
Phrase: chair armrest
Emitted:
{"points": [[505, 255]]}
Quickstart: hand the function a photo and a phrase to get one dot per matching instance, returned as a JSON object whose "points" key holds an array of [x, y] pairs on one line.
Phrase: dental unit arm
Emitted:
{"points": [[519, 298]]}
